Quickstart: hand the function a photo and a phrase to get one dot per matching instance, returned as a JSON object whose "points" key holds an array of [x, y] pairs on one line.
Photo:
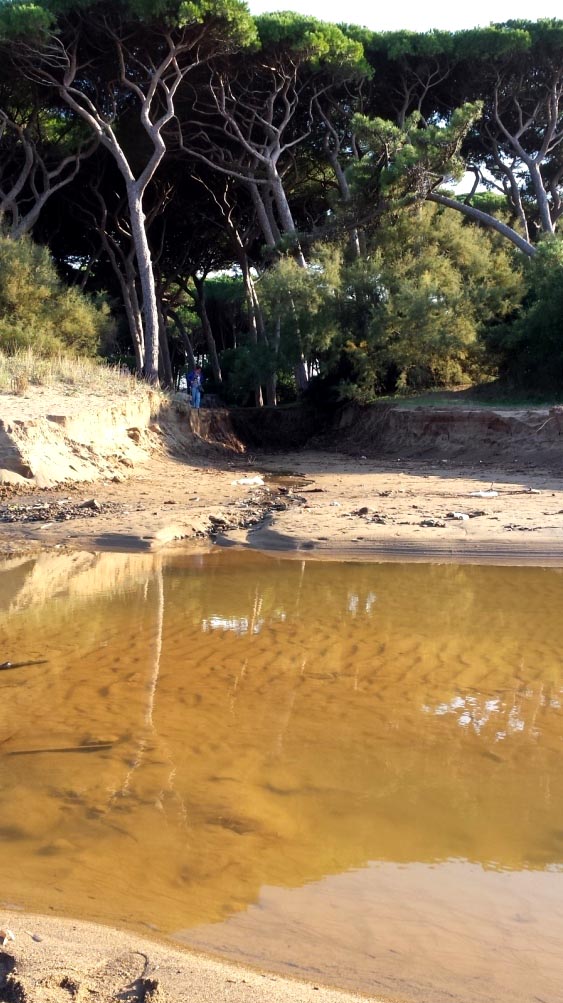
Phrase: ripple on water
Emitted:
{"points": [[356, 762]]}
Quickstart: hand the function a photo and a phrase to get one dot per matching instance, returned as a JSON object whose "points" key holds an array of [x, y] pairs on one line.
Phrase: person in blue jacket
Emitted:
{"points": [[195, 382]]}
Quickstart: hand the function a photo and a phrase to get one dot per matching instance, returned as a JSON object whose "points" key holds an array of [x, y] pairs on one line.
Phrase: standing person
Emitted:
{"points": [[196, 383]]}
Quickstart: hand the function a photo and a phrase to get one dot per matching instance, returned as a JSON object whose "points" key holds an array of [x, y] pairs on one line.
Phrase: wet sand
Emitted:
{"points": [[335, 505], [55, 960]]}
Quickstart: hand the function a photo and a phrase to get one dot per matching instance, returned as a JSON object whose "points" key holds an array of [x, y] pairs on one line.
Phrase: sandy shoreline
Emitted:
{"points": [[336, 506], [54, 960], [484, 495]]}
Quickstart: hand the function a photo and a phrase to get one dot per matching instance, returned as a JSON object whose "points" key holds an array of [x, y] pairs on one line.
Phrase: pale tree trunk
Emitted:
{"points": [[154, 87], [132, 310], [300, 368], [186, 341], [133, 314], [34, 176], [85, 275], [146, 279], [486, 220], [332, 145], [271, 382], [124, 268], [254, 313], [165, 365], [269, 207], [285, 215], [545, 125], [288, 227], [262, 215], [344, 189], [207, 331], [541, 196]]}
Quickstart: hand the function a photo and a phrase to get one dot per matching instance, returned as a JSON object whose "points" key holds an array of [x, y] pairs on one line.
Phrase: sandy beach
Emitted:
{"points": [[187, 479], [54, 960], [329, 505]]}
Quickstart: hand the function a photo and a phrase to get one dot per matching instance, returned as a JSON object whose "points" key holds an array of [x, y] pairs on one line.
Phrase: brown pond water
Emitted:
{"points": [[351, 772]]}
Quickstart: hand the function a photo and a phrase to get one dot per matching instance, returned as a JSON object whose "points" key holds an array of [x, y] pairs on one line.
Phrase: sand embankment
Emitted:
{"points": [[396, 483]]}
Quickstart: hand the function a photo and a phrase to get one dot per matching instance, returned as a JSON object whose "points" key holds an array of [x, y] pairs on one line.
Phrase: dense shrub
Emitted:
{"points": [[38, 311], [529, 350]]}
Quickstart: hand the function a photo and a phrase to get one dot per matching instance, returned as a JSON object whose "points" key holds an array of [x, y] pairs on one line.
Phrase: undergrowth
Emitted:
{"points": [[23, 370]]}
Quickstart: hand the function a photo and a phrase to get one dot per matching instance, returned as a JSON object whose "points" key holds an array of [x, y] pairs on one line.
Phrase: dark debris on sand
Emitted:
{"points": [[60, 510]]}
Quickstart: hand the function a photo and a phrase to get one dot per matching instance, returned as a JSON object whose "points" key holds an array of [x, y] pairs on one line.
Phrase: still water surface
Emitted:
{"points": [[352, 772]]}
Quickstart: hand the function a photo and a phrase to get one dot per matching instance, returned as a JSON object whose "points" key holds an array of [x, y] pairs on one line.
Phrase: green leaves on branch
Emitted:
{"points": [[530, 349], [412, 312], [19, 20], [33, 19], [411, 160], [233, 13], [316, 42], [37, 310]]}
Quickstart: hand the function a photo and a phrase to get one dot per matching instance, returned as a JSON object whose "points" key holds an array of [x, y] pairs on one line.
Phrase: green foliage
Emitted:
{"points": [[408, 160], [17, 20], [495, 42], [244, 368], [233, 13], [302, 302], [317, 42], [529, 350], [444, 281], [225, 289], [491, 202], [37, 310], [415, 307], [400, 44], [409, 313]]}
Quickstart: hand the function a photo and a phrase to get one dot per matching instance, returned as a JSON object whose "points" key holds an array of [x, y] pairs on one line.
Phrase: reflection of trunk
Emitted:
{"points": [[148, 728], [157, 649], [185, 338], [208, 333]]}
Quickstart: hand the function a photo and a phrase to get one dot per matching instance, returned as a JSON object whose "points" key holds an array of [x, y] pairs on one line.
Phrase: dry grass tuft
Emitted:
{"points": [[19, 384], [24, 369]]}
